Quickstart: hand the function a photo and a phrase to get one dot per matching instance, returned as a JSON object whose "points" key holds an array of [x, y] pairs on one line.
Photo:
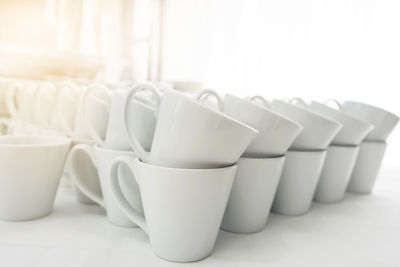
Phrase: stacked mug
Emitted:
{"points": [[261, 164], [90, 161], [305, 158], [341, 154], [372, 148], [184, 174]]}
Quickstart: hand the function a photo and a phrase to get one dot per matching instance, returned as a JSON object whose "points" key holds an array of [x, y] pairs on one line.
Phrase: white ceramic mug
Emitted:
{"points": [[190, 135], [366, 168], [142, 121], [383, 120], [354, 130], [298, 182], [276, 132], [183, 207], [45, 104], [318, 130], [31, 168], [101, 159], [13, 99], [336, 172], [253, 191]]}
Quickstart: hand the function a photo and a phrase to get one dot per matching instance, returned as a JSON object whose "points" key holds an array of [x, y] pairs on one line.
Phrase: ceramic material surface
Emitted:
{"points": [[276, 132], [318, 131], [100, 159], [31, 168], [383, 121], [252, 194], [190, 135], [336, 172], [367, 167], [298, 182], [183, 207], [354, 130]]}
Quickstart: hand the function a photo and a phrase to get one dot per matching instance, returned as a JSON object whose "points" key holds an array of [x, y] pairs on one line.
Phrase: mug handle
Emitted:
{"points": [[76, 178], [10, 98], [261, 99], [133, 141], [299, 101], [86, 114], [119, 197], [69, 129], [334, 101], [36, 105], [209, 92]]}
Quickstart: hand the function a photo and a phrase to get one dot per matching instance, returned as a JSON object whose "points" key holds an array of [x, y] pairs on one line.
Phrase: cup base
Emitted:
{"points": [[183, 259], [27, 218]]}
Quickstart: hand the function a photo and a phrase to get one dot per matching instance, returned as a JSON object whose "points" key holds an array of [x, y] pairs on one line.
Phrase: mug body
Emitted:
{"points": [[318, 131], [276, 132], [383, 121], [142, 122], [183, 208], [253, 191], [190, 135], [354, 130], [367, 166], [299, 180], [336, 172], [129, 187], [31, 171]]}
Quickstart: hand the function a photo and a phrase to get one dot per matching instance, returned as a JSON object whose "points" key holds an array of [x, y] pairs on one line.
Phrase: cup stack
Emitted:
{"points": [[95, 160], [304, 159], [341, 154], [185, 178], [260, 166], [372, 149]]}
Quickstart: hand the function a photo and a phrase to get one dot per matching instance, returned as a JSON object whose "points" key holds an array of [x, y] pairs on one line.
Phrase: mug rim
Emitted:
{"points": [[216, 112], [383, 111], [223, 168], [265, 109], [33, 141]]}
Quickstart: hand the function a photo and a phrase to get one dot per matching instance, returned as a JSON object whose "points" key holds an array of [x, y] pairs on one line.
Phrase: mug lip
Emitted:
{"points": [[265, 109], [123, 152], [35, 141], [139, 161], [385, 112], [344, 114], [311, 113], [216, 112]]}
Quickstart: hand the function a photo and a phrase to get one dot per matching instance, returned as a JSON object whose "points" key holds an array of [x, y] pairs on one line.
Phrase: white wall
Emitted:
{"points": [[316, 49]]}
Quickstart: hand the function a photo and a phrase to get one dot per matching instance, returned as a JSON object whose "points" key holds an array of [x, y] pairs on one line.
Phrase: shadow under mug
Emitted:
{"points": [[183, 207]]}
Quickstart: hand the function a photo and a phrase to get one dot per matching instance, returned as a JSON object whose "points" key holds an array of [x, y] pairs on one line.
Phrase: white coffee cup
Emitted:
{"points": [[298, 182], [366, 168], [276, 132], [336, 172], [383, 120], [183, 207], [101, 159], [253, 191], [190, 135], [354, 130], [142, 121], [13, 99], [318, 130], [45, 104], [25, 98], [31, 168]]}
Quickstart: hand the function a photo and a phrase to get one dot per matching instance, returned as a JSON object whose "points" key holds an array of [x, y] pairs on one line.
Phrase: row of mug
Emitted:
{"points": [[192, 153]]}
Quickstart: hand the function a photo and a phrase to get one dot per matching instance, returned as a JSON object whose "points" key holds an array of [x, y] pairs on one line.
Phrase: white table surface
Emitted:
{"points": [[360, 231]]}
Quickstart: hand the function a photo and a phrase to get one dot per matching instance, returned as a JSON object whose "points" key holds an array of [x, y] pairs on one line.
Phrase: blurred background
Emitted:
{"points": [[315, 49]]}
